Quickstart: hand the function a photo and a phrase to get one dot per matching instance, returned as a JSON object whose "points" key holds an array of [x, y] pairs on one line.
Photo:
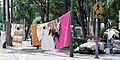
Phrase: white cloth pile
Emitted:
{"points": [[91, 45], [116, 45]]}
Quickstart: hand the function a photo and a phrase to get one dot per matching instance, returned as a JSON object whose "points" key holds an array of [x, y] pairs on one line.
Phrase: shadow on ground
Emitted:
{"points": [[62, 53]]}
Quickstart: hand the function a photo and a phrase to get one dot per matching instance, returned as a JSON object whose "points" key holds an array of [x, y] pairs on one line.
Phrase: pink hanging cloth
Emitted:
{"points": [[64, 39]]}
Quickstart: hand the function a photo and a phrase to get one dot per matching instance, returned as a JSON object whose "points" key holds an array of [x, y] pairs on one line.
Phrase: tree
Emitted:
{"points": [[57, 8], [47, 11], [52, 9], [1, 12], [81, 17]]}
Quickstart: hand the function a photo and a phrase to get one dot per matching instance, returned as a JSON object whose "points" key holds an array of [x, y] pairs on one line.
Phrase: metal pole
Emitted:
{"points": [[7, 18], [108, 40], [96, 36], [71, 33]]}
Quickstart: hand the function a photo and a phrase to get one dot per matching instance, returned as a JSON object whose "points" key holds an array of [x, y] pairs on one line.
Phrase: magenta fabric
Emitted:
{"points": [[64, 39]]}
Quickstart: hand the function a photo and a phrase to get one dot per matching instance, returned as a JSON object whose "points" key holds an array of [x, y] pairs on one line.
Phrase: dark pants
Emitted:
{"points": [[109, 45]]}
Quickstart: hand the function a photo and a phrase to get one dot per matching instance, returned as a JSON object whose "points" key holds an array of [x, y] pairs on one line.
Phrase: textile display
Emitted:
{"points": [[47, 33], [116, 46], [64, 39], [18, 35], [13, 28], [92, 45], [47, 39], [3, 37], [53, 33], [35, 41], [40, 31]]}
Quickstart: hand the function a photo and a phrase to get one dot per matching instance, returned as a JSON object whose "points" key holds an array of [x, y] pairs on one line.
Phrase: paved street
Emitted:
{"points": [[93, 26], [27, 52]]}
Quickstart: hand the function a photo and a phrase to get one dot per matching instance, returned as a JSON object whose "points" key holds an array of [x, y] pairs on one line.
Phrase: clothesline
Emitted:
{"points": [[56, 32]]}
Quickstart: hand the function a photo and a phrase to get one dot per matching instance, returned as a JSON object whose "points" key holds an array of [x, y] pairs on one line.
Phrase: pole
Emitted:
{"points": [[108, 40], [96, 36], [7, 18], [71, 28]]}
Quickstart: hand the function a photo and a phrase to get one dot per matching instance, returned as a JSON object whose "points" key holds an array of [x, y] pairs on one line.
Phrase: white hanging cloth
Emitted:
{"points": [[13, 28], [3, 37], [47, 41]]}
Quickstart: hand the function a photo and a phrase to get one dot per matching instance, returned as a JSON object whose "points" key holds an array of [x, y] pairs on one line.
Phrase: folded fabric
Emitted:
{"points": [[92, 45]]}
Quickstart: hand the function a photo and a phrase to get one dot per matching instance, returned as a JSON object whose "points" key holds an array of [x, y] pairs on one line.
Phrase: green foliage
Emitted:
{"points": [[56, 8], [28, 9], [79, 41], [22, 8], [0, 12]]}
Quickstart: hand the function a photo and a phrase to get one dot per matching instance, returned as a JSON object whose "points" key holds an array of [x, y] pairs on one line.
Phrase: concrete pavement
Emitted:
{"points": [[27, 52]]}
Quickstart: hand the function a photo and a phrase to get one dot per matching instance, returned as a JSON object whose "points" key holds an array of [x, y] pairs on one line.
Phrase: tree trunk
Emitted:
{"points": [[27, 32], [8, 33], [11, 11], [119, 4], [81, 18], [47, 11], [29, 20], [94, 25], [66, 5], [43, 11], [88, 23], [28, 25], [8, 11], [99, 27], [4, 15], [4, 20], [8, 25], [42, 16]]}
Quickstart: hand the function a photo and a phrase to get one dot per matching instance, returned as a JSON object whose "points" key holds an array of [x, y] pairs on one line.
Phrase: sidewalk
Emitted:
{"points": [[27, 52]]}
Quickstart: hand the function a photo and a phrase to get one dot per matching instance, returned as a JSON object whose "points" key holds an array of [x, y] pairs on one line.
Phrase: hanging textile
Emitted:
{"points": [[64, 39], [46, 34], [46, 38], [18, 35], [39, 31], [13, 28], [3, 37], [35, 41]]}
